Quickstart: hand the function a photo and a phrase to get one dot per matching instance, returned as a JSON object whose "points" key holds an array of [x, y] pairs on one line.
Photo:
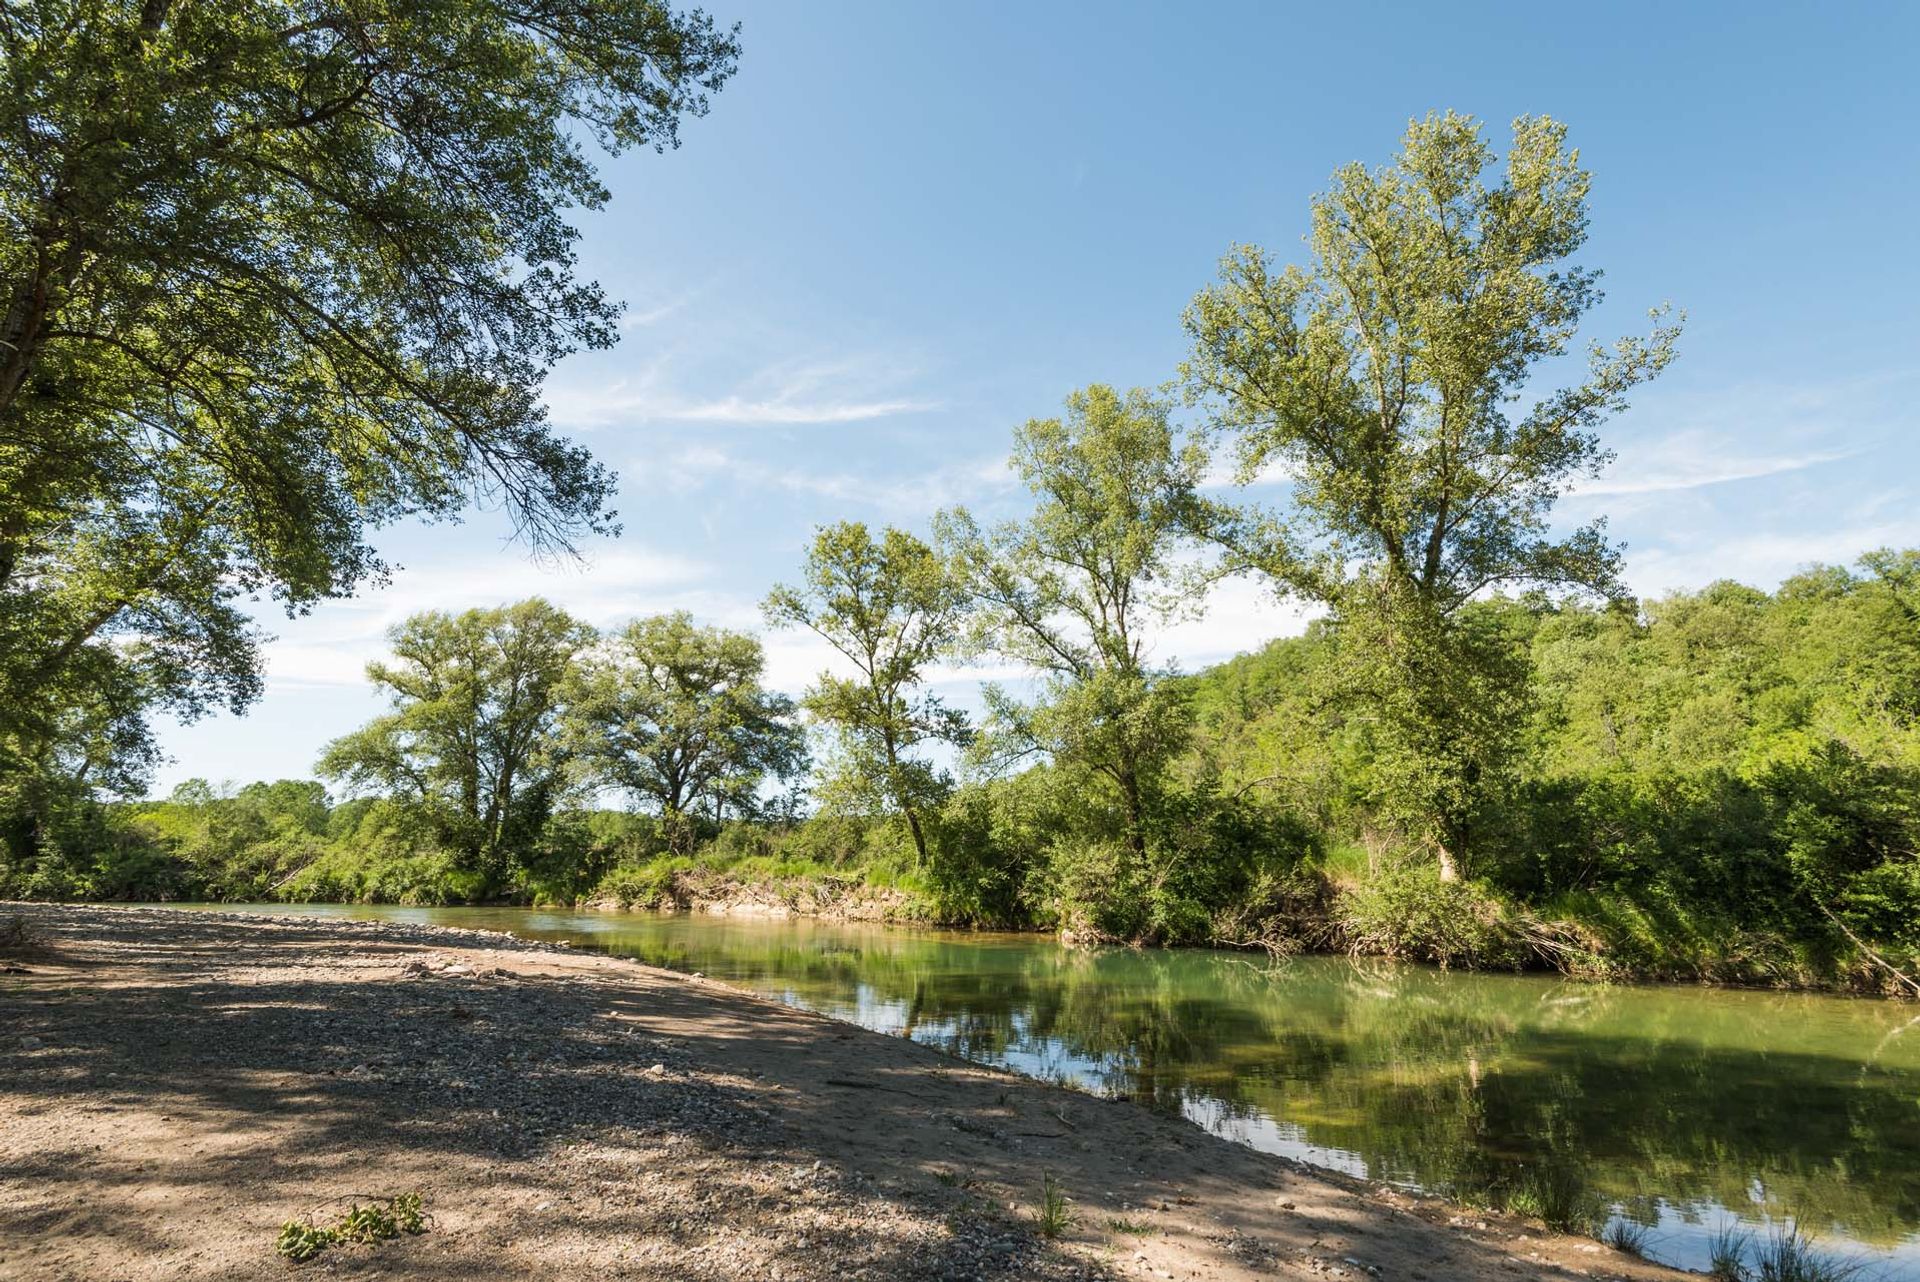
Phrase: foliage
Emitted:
{"points": [[301, 1240], [268, 280], [1727, 1254], [1052, 1214], [674, 714], [470, 742], [1629, 1237], [1071, 592], [1411, 912], [1378, 379], [1789, 1255], [889, 607], [1480, 753]]}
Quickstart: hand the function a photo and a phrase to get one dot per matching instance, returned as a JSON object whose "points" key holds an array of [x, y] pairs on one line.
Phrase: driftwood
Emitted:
{"points": [[1875, 957]]}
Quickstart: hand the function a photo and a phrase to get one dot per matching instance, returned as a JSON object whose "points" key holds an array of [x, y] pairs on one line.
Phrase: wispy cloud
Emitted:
{"points": [[735, 409], [652, 313], [911, 492], [1693, 460], [1223, 474], [1762, 559], [849, 389]]}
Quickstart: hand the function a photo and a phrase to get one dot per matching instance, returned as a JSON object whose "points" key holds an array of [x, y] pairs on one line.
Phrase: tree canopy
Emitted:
{"points": [[1073, 590], [472, 737], [675, 715], [891, 606], [272, 276], [1381, 379]]}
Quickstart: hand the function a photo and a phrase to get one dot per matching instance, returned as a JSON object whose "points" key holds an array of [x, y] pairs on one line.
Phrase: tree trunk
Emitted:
{"points": [[919, 837], [1136, 822]]}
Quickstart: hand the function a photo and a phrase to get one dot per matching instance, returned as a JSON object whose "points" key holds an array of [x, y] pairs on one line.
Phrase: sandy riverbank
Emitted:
{"points": [[174, 1086]]}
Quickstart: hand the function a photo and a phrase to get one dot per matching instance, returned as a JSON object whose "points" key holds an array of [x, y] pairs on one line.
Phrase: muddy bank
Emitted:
{"points": [[175, 1086], [828, 898]]}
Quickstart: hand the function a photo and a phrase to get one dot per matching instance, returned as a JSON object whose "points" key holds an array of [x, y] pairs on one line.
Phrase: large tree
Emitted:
{"points": [[272, 274], [473, 735], [1073, 591], [1396, 380], [675, 714], [890, 606]]}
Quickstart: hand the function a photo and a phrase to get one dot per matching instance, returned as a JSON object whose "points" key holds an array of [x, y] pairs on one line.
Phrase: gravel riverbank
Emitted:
{"points": [[176, 1085]]}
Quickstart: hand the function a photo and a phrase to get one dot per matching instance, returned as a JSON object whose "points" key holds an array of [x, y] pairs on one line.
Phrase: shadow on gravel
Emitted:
{"points": [[239, 1099]]}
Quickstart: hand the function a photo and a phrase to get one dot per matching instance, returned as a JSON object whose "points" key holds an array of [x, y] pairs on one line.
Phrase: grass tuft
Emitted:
{"points": [[1053, 1214], [1629, 1237], [1554, 1195], [1789, 1256], [19, 937], [1727, 1254]]}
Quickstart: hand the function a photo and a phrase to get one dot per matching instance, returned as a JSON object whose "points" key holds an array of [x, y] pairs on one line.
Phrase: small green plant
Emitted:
{"points": [[1554, 1195], [301, 1240], [1054, 1215], [1120, 1224], [1629, 1237], [1526, 1201], [1789, 1256], [1727, 1254]]}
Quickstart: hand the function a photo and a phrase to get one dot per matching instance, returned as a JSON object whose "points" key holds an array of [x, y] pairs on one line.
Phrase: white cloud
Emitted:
{"points": [[1224, 474], [332, 646], [851, 389], [913, 492], [1761, 559], [1692, 460], [1238, 615]]}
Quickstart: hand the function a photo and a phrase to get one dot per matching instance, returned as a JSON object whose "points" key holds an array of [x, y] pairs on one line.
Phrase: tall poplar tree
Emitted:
{"points": [[472, 737], [1074, 589], [1397, 381], [891, 606]]}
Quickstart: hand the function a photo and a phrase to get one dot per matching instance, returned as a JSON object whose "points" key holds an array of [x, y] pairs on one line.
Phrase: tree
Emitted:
{"points": [[891, 606], [272, 276], [676, 714], [1072, 590], [476, 701], [104, 619], [1380, 378]]}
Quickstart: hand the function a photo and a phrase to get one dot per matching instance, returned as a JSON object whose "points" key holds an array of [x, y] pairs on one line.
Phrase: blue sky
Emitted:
{"points": [[906, 228]]}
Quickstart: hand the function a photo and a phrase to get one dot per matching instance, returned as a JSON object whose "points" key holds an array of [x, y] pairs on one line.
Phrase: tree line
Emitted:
{"points": [[1413, 793]]}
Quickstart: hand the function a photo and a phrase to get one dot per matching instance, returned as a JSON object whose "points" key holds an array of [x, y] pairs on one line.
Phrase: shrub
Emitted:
{"points": [[1408, 912]]}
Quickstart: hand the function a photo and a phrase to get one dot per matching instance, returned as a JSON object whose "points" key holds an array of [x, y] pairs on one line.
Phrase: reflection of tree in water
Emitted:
{"points": [[1475, 1084]]}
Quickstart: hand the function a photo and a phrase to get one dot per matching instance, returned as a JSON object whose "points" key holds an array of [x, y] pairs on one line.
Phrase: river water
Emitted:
{"points": [[1688, 1110]]}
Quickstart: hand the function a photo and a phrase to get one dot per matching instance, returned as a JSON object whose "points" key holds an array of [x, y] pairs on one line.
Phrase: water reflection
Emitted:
{"points": [[1680, 1108]]}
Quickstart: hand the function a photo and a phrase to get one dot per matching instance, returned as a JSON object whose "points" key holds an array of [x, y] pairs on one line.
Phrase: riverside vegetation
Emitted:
{"points": [[1483, 753], [1716, 785]]}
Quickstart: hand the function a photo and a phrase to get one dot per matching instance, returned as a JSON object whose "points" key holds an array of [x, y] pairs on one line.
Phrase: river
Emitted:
{"points": [[1686, 1109]]}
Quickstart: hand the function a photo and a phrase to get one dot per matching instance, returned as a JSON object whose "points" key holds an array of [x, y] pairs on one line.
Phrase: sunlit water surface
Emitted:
{"points": [[1685, 1109]]}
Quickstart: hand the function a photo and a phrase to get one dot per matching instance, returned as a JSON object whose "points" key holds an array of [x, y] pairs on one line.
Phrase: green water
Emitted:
{"points": [[1681, 1108]]}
